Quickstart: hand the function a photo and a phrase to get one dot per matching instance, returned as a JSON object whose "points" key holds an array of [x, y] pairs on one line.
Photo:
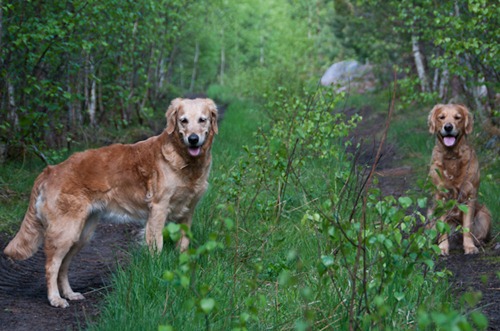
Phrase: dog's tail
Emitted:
{"points": [[30, 235]]}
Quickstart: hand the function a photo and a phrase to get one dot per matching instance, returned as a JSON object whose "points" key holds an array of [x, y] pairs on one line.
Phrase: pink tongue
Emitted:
{"points": [[194, 151], [449, 141]]}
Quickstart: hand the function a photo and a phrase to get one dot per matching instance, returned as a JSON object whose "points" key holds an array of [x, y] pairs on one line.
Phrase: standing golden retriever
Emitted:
{"points": [[157, 179], [455, 173]]}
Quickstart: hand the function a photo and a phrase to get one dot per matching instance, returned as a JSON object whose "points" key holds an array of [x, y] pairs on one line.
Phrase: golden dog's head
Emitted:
{"points": [[195, 121], [450, 122]]}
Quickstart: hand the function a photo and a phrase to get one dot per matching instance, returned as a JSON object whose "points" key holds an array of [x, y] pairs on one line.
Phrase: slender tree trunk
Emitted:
{"points": [[77, 115], [222, 59], [71, 110], [1, 28], [86, 83], [419, 63], [146, 88], [443, 84], [261, 50], [13, 117], [93, 95], [99, 98], [170, 68], [90, 89], [181, 69], [195, 65], [435, 80]]}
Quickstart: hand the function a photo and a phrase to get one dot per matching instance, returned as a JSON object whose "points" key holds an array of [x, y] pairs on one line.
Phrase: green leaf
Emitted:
{"points": [[422, 202], [463, 208], [207, 305], [405, 202], [479, 320], [168, 276], [399, 295], [327, 260], [229, 223]]}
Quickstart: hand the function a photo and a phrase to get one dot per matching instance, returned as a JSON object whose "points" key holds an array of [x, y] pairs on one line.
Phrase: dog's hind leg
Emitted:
{"points": [[63, 280], [481, 227], [61, 235], [469, 247]]}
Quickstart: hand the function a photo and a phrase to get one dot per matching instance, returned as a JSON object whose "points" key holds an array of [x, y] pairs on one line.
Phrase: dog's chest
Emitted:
{"points": [[183, 201], [451, 170]]}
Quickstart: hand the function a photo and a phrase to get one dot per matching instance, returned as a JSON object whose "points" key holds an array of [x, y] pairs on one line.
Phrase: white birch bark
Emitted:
{"points": [[419, 63], [195, 65], [443, 84], [14, 119]]}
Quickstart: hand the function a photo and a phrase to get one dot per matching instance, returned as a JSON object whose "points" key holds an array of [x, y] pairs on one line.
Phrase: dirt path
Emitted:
{"points": [[23, 293]]}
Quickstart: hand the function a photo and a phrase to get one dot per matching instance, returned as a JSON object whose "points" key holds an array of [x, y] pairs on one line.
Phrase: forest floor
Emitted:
{"points": [[24, 305]]}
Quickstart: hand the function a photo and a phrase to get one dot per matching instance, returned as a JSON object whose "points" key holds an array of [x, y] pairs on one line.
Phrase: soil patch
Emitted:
{"points": [[23, 292]]}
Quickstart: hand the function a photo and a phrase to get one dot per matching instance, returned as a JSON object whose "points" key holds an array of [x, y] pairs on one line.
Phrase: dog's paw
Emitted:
{"points": [[471, 250], [74, 296], [445, 248], [59, 302]]}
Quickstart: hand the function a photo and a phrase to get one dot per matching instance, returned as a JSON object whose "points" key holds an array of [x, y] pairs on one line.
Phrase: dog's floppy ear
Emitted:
{"points": [[431, 120], [171, 115], [213, 115], [469, 119]]}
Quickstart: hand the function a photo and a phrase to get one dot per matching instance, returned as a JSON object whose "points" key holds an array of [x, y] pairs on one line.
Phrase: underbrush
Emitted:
{"points": [[290, 236]]}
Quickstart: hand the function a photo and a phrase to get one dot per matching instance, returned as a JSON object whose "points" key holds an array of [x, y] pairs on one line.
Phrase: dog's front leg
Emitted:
{"points": [[443, 243], [154, 228], [469, 247], [183, 243]]}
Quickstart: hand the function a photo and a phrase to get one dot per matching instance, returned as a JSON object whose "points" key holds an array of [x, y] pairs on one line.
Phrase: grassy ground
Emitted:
{"points": [[277, 249], [277, 272], [16, 179]]}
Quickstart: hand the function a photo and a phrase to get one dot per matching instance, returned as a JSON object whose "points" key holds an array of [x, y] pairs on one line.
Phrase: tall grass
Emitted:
{"points": [[287, 238], [16, 179]]}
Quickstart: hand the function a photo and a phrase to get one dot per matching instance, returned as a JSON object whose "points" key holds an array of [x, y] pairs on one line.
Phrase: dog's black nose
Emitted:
{"points": [[448, 127], [193, 139]]}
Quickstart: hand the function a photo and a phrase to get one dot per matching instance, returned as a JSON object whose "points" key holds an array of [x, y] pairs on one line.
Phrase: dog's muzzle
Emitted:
{"points": [[194, 147], [449, 135]]}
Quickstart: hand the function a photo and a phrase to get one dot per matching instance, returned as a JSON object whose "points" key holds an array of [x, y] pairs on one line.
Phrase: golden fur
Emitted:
{"points": [[454, 172], [159, 179]]}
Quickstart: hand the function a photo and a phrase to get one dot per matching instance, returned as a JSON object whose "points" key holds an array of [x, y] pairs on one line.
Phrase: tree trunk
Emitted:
{"points": [[71, 110], [261, 50], [13, 117], [93, 96], [195, 65], [419, 63], [222, 59], [443, 84], [1, 27]]}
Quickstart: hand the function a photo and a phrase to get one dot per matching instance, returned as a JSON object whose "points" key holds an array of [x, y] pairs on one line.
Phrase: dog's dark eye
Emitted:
{"points": [[458, 117], [202, 120], [184, 120], [441, 117]]}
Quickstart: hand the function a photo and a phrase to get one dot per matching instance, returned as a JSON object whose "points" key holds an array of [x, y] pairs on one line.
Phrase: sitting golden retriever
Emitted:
{"points": [[454, 171], [159, 179]]}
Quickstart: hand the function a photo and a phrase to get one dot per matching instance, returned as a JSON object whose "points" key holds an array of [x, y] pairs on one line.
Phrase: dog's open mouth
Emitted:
{"points": [[449, 141], [194, 151]]}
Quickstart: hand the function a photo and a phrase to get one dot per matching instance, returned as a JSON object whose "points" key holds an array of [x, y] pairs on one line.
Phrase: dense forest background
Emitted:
{"points": [[67, 67]]}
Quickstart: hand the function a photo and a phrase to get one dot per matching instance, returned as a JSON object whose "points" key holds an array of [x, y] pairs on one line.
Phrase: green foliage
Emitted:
{"points": [[456, 41], [287, 237]]}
